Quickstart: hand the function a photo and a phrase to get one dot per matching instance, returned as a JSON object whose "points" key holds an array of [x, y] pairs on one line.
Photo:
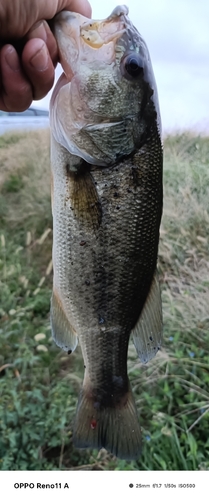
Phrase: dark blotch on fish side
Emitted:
{"points": [[69, 351], [68, 169], [135, 176]]}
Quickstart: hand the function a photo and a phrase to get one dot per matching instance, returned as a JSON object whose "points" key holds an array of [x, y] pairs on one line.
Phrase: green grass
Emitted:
{"points": [[39, 383]]}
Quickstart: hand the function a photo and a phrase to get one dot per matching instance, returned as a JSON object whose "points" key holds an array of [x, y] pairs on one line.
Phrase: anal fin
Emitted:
{"points": [[62, 331], [147, 333]]}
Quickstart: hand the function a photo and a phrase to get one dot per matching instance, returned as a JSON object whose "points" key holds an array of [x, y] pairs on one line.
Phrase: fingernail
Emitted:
{"points": [[40, 60], [12, 58]]}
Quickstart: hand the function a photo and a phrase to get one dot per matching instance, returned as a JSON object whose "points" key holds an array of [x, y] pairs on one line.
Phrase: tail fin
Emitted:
{"points": [[114, 428]]}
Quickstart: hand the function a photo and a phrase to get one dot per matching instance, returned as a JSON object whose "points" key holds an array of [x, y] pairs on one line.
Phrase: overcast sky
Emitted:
{"points": [[177, 35]]}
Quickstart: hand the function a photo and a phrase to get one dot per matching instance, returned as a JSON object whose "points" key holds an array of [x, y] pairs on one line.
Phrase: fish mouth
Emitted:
{"points": [[97, 33], [93, 32], [77, 36]]}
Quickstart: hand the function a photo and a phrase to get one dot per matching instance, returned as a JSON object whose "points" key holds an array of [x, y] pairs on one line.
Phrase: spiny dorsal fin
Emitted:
{"points": [[147, 333]]}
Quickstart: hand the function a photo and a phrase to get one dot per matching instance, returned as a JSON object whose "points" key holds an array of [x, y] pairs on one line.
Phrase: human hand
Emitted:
{"points": [[29, 75]]}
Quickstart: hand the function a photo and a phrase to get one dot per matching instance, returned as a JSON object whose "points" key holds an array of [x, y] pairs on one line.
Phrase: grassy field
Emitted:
{"points": [[39, 384]]}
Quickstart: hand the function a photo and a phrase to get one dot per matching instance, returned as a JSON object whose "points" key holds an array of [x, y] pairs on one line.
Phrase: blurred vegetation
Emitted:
{"points": [[39, 384]]}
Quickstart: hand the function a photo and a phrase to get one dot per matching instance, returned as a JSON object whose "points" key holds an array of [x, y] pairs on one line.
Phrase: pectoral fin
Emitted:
{"points": [[84, 199], [147, 333], [62, 331]]}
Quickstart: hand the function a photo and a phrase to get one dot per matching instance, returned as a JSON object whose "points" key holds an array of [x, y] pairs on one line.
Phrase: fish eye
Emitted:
{"points": [[131, 66]]}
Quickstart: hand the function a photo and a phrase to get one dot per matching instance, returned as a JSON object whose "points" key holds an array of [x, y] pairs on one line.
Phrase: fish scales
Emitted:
{"points": [[106, 222], [118, 274]]}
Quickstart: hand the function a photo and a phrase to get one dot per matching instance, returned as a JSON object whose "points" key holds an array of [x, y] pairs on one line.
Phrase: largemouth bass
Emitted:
{"points": [[106, 156]]}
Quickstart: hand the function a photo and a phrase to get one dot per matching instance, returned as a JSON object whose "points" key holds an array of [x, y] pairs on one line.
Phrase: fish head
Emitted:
{"points": [[106, 102]]}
